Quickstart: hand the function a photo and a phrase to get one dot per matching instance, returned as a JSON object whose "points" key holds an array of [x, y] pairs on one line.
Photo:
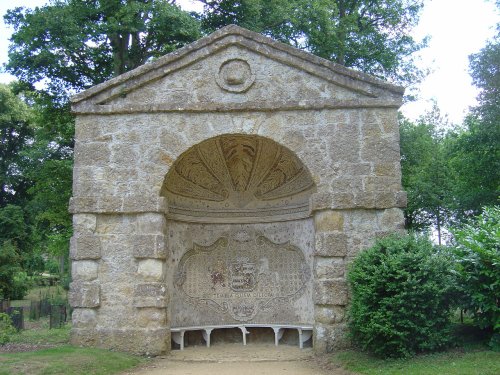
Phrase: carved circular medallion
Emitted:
{"points": [[235, 75]]}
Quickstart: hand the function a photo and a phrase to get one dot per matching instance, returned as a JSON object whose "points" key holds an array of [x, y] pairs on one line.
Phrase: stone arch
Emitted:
{"points": [[240, 234], [238, 178]]}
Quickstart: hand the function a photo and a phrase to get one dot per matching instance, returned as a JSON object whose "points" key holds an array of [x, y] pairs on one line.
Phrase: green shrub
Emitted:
{"points": [[6, 329], [21, 283], [401, 290], [478, 264]]}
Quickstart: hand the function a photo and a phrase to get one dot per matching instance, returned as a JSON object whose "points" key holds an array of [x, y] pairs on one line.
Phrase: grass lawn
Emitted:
{"points": [[454, 362], [67, 360], [62, 358]]}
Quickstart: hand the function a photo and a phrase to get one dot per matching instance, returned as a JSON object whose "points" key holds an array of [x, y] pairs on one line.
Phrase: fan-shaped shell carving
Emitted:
{"points": [[242, 178]]}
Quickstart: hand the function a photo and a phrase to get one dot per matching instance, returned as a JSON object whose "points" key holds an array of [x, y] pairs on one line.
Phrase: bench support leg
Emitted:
{"points": [[244, 333], [206, 336], [277, 335], [182, 340]]}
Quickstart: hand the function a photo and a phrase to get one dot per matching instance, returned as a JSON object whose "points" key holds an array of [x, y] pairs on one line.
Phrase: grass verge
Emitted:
{"points": [[60, 359], [454, 362], [67, 360]]}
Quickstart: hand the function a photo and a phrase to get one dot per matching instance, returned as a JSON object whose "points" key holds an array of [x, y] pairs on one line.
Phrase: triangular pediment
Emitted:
{"points": [[238, 69]]}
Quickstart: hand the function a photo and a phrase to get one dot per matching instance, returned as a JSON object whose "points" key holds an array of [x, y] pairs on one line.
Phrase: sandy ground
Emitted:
{"points": [[234, 359]]}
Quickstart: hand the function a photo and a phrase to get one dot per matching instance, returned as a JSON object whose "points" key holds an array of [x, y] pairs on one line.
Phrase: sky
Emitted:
{"points": [[457, 28]]}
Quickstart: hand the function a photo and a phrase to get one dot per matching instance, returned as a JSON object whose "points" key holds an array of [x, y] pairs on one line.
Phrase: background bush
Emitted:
{"points": [[401, 290], [6, 329], [478, 264]]}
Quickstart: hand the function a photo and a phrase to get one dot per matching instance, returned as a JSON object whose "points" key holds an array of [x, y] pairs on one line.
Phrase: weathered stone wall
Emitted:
{"points": [[297, 309], [342, 125]]}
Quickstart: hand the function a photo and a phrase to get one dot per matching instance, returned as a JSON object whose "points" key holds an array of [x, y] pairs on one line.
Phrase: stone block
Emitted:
{"points": [[84, 294], [92, 154], [150, 295], [88, 337], [329, 268], [140, 341], [151, 223], [329, 314], [85, 246], [321, 200], [151, 269], [330, 337], [392, 219], [342, 200], [356, 169], [84, 270], [124, 154], [387, 169], [141, 203], [84, 223], [83, 205], [84, 318], [330, 292], [149, 246], [331, 244], [364, 199], [328, 221], [117, 204], [401, 199], [151, 318]]}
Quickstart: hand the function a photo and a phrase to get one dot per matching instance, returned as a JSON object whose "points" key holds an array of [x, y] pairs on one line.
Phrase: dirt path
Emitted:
{"points": [[233, 359]]}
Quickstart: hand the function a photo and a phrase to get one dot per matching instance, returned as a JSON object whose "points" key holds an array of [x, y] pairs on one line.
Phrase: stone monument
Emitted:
{"points": [[228, 183]]}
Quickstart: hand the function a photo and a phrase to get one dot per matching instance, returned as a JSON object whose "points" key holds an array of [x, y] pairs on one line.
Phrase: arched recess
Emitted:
{"points": [[239, 233], [237, 178]]}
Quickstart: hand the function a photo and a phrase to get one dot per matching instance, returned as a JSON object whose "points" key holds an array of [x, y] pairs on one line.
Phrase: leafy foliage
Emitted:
{"points": [[475, 154], [400, 297], [15, 134], [10, 265], [371, 36], [70, 45], [6, 329], [426, 175], [478, 265]]}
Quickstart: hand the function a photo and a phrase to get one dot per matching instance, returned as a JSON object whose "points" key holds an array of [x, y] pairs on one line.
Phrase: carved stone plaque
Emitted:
{"points": [[235, 75], [242, 275]]}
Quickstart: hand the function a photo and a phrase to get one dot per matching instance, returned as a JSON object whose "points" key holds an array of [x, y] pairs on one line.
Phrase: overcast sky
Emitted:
{"points": [[457, 28]]}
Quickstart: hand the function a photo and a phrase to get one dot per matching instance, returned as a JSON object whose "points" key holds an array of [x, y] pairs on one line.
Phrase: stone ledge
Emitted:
{"points": [[359, 200], [150, 295], [259, 106], [112, 204], [84, 294], [85, 247]]}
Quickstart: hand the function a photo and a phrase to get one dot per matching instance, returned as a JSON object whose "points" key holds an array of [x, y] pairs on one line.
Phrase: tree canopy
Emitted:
{"points": [[371, 36], [70, 45]]}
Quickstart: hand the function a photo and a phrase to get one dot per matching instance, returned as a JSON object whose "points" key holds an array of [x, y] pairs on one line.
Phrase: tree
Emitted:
{"points": [[65, 47], [475, 154], [15, 134], [425, 172], [70, 45], [371, 36]]}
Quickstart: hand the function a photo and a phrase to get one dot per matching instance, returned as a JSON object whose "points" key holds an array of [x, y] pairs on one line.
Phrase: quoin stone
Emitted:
{"points": [[228, 183]]}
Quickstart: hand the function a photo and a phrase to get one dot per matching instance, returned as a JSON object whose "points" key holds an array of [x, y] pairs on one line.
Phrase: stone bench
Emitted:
{"points": [[305, 332]]}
